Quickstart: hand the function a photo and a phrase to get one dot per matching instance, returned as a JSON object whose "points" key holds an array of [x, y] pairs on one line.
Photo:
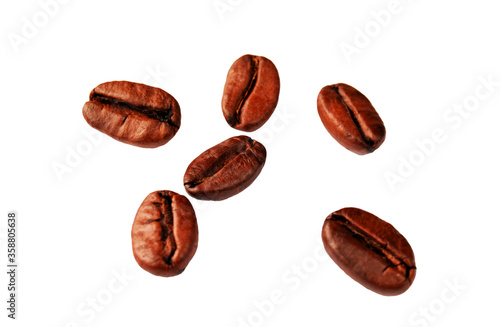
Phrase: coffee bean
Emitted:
{"points": [[133, 113], [350, 118], [369, 250], [225, 169], [164, 233], [251, 92]]}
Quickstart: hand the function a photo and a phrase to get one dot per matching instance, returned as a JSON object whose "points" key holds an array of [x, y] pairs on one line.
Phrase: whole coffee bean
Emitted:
{"points": [[133, 113], [369, 250], [225, 169], [164, 233], [350, 118], [251, 92]]}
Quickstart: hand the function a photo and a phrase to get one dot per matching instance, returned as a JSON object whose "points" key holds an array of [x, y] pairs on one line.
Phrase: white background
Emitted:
{"points": [[75, 230]]}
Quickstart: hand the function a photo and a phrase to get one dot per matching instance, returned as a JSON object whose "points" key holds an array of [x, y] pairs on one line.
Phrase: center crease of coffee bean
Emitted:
{"points": [[166, 221], [228, 155], [367, 140], [381, 249], [251, 85], [160, 115]]}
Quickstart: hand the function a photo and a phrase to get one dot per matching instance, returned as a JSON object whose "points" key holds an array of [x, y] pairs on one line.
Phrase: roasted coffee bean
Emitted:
{"points": [[350, 118], [369, 250], [251, 92], [225, 169], [164, 233], [133, 113]]}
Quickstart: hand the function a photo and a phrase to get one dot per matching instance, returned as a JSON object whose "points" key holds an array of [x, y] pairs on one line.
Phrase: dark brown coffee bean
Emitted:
{"points": [[251, 92], [225, 169], [164, 233], [369, 250], [133, 113], [350, 118]]}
